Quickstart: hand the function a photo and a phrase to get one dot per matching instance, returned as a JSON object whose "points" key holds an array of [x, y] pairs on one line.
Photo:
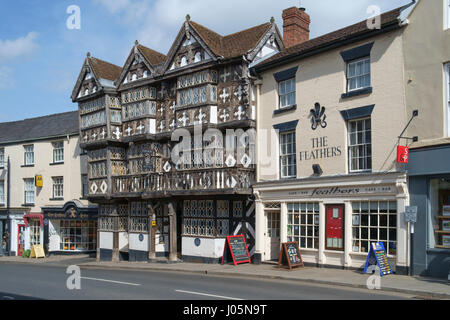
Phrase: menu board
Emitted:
{"points": [[377, 256], [290, 255], [237, 248]]}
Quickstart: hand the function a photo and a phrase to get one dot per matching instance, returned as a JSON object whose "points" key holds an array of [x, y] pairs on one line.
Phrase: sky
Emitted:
{"points": [[41, 58]]}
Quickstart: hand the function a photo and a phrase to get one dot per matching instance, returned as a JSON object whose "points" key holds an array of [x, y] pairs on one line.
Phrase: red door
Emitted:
{"points": [[20, 239], [335, 227]]}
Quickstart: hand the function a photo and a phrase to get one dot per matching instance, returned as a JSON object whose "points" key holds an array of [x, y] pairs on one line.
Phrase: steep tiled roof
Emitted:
{"points": [[152, 56], [333, 37], [54, 125], [104, 70], [232, 45]]}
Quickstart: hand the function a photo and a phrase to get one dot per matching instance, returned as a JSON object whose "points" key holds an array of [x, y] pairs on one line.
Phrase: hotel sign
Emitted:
{"points": [[334, 192], [320, 150]]}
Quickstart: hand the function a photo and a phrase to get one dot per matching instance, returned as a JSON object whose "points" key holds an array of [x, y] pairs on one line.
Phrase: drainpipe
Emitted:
{"points": [[8, 202]]}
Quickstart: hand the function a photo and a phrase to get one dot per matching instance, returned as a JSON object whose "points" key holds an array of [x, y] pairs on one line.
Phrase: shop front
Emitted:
{"points": [[12, 232], [70, 229], [334, 219], [429, 184]]}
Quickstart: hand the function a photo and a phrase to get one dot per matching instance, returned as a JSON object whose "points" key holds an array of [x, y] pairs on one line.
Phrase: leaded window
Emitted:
{"points": [[198, 218]]}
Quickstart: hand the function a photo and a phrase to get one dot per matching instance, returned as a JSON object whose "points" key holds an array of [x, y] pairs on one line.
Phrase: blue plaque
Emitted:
{"points": [[141, 237], [197, 242]]}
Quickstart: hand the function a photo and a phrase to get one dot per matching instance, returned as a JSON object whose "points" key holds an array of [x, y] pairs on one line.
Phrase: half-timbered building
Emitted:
{"points": [[156, 198]]}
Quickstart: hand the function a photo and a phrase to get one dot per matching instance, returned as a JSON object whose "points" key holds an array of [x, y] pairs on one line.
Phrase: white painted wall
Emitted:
{"points": [[135, 244], [106, 240], [54, 234], [209, 248]]}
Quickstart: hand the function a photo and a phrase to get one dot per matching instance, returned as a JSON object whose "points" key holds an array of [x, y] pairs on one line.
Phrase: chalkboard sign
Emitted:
{"points": [[377, 256], [290, 255], [237, 248]]}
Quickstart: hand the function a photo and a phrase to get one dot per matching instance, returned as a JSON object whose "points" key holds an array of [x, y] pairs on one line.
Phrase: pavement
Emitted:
{"points": [[427, 288]]}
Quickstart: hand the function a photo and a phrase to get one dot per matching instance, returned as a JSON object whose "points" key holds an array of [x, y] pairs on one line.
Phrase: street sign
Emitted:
{"points": [[411, 214]]}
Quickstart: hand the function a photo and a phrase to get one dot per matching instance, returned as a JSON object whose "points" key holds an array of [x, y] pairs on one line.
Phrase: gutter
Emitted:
{"points": [[326, 47]]}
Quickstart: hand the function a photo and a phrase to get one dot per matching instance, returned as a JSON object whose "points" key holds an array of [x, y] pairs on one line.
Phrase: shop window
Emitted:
{"points": [[374, 221], [360, 145], [29, 155], [303, 224], [358, 74], [440, 214], [35, 232], [78, 235], [288, 160], [2, 192]]}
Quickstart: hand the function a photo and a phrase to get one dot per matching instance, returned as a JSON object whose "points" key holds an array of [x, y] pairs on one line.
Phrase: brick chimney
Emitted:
{"points": [[295, 26]]}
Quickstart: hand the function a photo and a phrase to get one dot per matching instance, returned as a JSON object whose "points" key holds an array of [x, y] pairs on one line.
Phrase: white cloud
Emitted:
{"points": [[24, 46], [7, 80], [158, 22]]}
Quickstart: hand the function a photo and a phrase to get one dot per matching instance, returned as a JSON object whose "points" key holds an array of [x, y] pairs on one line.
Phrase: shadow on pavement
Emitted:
{"points": [[10, 296]]}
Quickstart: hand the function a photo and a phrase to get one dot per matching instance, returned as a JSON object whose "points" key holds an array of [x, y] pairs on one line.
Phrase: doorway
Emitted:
{"points": [[20, 239], [272, 248], [335, 227]]}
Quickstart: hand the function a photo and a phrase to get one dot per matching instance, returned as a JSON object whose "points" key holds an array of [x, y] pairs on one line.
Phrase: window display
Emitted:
{"points": [[303, 224], [440, 213], [78, 235]]}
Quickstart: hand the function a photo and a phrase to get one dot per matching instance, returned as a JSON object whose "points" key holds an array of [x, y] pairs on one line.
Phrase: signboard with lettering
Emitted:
{"points": [[290, 255], [402, 154], [377, 257], [39, 181], [236, 246]]}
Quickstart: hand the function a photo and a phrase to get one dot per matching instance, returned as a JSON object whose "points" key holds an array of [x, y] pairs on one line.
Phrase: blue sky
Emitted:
{"points": [[40, 58]]}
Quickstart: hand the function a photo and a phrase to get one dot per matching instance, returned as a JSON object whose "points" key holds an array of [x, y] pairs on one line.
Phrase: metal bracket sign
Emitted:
{"points": [[411, 214]]}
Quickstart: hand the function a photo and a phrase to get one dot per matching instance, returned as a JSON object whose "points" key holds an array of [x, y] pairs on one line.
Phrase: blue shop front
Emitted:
{"points": [[429, 188]]}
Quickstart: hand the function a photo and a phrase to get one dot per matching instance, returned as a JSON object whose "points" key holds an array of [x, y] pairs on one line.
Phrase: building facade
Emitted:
{"points": [[427, 75], [169, 177], [42, 175], [330, 111]]}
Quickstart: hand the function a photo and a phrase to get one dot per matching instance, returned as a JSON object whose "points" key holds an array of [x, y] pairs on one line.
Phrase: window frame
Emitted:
{"points": [[31, 181], [447, 87], [56, 185], [355, 61], [448, 14], [304, 210], [294, 154], [2, 158], [280, 96], [2, 192], [58, 149], [350, 170], [28, 152]]}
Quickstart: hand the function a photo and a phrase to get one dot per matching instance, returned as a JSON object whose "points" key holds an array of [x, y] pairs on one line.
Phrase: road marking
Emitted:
{"points": [[208, 295], [112, 281]]}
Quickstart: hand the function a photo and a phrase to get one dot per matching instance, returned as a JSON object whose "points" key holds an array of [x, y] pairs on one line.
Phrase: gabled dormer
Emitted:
{"points": [[141, 64], [193, 45], [95, 76]]}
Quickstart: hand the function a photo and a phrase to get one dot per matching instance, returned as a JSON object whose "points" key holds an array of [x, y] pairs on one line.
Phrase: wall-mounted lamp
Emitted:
{"points": [[317, 169]]}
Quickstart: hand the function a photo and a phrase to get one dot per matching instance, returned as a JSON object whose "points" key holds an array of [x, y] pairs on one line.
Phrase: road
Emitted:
{"points": [[23, 281]]}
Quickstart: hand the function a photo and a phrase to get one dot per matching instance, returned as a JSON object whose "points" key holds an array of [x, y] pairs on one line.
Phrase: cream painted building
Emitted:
{"points": [[426, 47], [47, 174], [330, 111]]}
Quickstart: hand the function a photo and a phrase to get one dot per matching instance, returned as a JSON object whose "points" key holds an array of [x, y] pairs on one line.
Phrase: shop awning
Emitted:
{"points": [[39, 216]]}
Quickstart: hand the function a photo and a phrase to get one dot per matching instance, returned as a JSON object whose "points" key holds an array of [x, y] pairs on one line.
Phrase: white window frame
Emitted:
{"points": [[287, 155], [352, 62], [448, 14], [283, 96], [29, 191], [29, 155], [307, 224], [2, 158], [350, 146], [447, 86], [2, 192], [58, 187], [58, 152]]}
